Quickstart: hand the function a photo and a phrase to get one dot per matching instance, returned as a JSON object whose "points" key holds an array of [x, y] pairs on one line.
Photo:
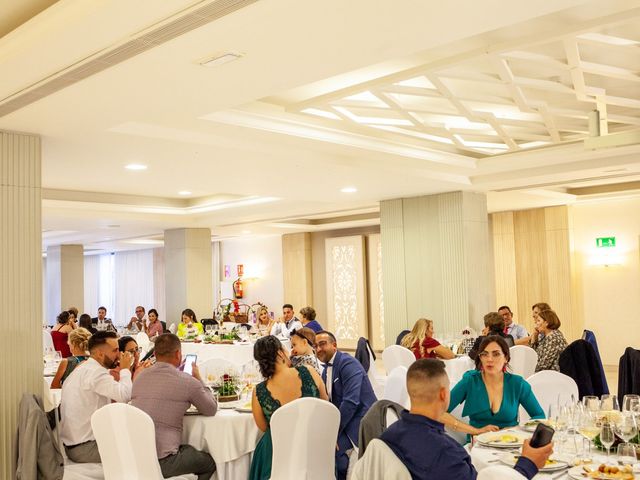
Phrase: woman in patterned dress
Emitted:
{"points": [[303, 341], [552, 344], [282, 385]]}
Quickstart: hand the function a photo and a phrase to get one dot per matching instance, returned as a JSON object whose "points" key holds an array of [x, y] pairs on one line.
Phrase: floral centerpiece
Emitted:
{"points": [[229, 388]]}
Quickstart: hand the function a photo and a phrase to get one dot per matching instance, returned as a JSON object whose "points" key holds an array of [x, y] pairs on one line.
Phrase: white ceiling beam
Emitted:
{"points": [[601, 105], [491, 120], [394, 106], [534, 57], [573, 60], [506, 75], [609, 71], [540, 84], [613, 100], [550, 123]]}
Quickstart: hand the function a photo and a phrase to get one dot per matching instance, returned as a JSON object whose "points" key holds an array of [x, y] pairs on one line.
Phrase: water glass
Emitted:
{"points": [[630, 403], [609, 402], [591, 403], [607, 437], [626, 427], [627, 453]]}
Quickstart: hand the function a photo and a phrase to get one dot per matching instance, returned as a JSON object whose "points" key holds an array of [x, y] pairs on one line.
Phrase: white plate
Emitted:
{"points": [[244, 410], [511, 459], [578, 473], [497, 439]]}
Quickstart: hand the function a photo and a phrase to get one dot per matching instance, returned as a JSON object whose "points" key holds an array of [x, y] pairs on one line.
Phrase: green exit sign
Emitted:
{"points": [[604, 242]]}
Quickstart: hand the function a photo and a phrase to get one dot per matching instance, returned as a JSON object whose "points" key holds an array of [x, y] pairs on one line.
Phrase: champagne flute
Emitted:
{"points": [[607, 437]]}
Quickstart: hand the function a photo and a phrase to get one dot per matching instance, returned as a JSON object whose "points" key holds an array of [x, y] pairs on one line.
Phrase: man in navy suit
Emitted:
{"points": [[349, 389]]}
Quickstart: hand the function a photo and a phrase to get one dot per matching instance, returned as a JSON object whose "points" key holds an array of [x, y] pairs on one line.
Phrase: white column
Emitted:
{"points": [[188, 278], [20, 284], [65, 279], [436, 262]]}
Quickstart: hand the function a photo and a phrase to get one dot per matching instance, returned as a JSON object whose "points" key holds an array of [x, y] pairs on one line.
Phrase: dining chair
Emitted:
{"points": [[172, 328], [523, 360], [551, 388], [499, 472], [315, 454], [396, 387], [127, 443], [379, 463], [47, 340], [142, 339], [395, 355]]}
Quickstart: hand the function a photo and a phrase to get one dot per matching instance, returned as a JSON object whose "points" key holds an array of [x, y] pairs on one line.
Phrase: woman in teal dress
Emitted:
{"points": [[491, 395], [283, 384]]}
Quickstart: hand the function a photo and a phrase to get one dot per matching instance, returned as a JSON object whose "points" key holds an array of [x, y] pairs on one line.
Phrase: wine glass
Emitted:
{"points": [[609, 402], [591, 403], [607, 437], [630, 403], [625, 426], [588, 427], [627, 453], [48, 354]]}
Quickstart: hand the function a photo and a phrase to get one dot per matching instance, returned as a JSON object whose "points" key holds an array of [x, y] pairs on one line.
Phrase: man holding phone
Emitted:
{"points": [[428, 387], [165, 393]]}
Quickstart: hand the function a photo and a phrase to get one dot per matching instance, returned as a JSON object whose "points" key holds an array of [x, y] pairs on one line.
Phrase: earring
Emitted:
{"points": [[504, 368]]}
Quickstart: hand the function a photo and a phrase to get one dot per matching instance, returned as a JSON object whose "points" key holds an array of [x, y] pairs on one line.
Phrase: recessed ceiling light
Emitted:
{"points": [[349, 190], [135, 166], [184, 192], [221, 59]]}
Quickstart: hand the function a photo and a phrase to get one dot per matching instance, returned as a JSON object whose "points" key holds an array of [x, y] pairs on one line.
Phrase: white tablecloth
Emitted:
{"points": [[230, 437], [485, 457], [239, 353]]}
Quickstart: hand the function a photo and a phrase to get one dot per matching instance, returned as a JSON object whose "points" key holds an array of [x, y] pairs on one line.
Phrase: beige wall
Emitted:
{"points": [[534, 263], [611, 294], [296, 267]]}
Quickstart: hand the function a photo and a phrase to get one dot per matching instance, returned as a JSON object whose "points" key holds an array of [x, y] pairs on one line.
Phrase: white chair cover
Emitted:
{"points": [[396, 387], [523, 360], [172, 328], [127, 443], [551, 388], [296, 452], [82, 471], [379, 463], [142, 339], [47, 398], [396, 355], [391, 417], [373, 378], [499, 472], [47, 340], [459, 437], [457, 367]]}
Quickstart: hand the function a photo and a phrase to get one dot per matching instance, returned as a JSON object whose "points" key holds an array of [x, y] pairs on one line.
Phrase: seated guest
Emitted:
{"points": [[73, 318], [78, 344], [129, 345], [302, 349], [138, 322], [189, 326], [349, 389], [421, 342], [73, 310], [308, 315], [491, 395], [60, 334], [165, 394], [89, 388], [510, 327], [153, 327], [282, 385], [418, 438], [85, 322], [552, 344], [535, 310], [287, 323], [264, 322], [493, 326], [101, 322]]}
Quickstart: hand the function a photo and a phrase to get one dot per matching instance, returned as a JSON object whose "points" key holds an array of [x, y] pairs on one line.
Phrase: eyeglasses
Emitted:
{"points": [[134, 350], [485, 355]]}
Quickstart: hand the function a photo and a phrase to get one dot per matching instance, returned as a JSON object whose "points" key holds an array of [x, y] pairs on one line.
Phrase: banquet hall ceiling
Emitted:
{"points": [[393, 98]]}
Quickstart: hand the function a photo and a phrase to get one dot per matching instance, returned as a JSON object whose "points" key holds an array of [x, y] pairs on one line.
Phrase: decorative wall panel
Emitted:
{"points": [[375, 292], [346, 292]]}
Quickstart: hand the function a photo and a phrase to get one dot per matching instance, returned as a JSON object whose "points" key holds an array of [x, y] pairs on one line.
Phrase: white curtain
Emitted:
{"points": [[133, 283], [215, 271], [99, 284]]}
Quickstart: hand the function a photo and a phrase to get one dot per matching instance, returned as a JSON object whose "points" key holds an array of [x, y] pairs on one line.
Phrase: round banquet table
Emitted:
{"points": [[238, 353], [230, 438]]}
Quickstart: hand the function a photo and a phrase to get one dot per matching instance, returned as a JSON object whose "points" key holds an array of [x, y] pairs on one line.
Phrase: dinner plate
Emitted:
{"points": [[531, 425], [578, 473], [244, 409], [553, 465], [502, 439]]}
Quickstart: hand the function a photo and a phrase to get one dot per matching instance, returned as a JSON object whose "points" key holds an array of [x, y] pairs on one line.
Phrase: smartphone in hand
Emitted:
{"points": [[542, 435], [189, 360]]}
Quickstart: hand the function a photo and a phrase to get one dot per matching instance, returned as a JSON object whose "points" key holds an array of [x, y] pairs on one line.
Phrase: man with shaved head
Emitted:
{"points": [[420, 442]]}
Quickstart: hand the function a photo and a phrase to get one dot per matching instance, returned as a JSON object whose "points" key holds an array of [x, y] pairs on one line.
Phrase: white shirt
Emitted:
{"points": [[517, 331], [284, 329], [88, 388], [329, 369]]}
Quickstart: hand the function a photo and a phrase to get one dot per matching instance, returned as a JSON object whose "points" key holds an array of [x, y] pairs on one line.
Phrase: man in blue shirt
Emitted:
{"points": [[419, 439], [349, 389]]}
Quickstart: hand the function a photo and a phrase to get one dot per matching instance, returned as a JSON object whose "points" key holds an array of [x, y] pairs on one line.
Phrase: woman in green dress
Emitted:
{"points": [[283, 384]]}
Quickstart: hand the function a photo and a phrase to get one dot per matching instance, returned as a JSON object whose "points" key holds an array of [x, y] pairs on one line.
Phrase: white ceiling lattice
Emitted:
{"points": [[503, 101]]}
